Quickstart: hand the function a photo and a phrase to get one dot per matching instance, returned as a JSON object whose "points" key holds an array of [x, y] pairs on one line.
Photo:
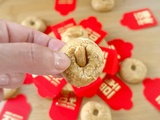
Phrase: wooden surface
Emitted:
{"points": [[146, 46]]}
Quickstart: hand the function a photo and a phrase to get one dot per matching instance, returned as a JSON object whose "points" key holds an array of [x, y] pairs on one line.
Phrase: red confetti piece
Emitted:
{"points": [[139, 19], [28, 79]]}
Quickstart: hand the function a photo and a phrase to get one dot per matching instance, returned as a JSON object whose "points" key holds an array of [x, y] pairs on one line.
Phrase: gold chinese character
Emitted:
{"points": [[11, 116], [158, 99], [92, 34], [65, 2], [53, 80]]}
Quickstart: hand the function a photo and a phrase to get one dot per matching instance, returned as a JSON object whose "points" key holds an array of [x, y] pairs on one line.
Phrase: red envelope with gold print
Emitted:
{"points": [[139, 19], [124, 49], [15, 109], [65, 6], [65, 107], [49, 86], [115, 93]]}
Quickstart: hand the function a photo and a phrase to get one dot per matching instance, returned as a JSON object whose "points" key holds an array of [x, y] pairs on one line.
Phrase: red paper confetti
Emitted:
{"points": [[28, 79], [93, 27], [89, 90], [115, 93], [139, 19], [65, 107], [124, 49], [152, 91], [112, 63], [65, 6], [61, 27], [49, 86], [15, 109]]}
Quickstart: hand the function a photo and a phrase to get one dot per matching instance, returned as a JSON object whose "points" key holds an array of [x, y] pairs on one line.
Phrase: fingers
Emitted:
{"points": [[1, 97], [11, 80], [12, 32], [31, 58]]}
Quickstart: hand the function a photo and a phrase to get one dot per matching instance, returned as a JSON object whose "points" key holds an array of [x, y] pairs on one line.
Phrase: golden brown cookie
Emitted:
{"points": [[87, 61], [95, 111], [74, 32], [34, 23], [132, 70], [102, 5], [8, 93]]}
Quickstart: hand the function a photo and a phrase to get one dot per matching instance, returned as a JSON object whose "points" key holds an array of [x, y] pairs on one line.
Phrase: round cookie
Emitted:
{"points": [[34, 23], [132, 70], [95, 111], [102, 5], [87, 61], [8, 93], [74, 32]]}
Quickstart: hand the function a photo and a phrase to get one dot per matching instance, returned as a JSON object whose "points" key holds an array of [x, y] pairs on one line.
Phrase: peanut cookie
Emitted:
{"points": [[34, 23], [74, 32], [8, 93], [102, 5], [87, 61], [132, 70], [95, 111]]}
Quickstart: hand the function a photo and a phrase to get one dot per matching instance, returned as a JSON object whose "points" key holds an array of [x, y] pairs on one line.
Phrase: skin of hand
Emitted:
{"points": [[24, 50]]}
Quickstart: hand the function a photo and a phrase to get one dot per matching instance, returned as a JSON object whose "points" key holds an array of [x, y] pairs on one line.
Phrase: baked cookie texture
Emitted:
{"points": [[74, 32], [133, 70], [34, 23], [93, 110], [103, 5], [87, 61]]}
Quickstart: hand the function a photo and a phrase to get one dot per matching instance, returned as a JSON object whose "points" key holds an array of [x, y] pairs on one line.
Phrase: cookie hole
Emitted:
{"points": [[133, 67], [32, 22], [95, 112]]}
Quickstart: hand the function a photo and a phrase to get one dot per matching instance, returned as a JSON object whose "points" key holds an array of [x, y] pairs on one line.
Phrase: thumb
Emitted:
{"points": [[31, 58]]}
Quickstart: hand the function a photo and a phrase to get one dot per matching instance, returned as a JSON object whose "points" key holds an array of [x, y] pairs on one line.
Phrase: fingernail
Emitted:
{"points": [[61, 62], [4, 79], [55, 44]]}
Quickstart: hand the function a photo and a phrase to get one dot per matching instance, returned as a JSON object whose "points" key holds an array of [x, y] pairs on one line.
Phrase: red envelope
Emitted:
{"points": [[89, 90], [115, 93], [61, 27], [16, 109], [28, 79], [152, 91], [95, 32], [124, 49], [112, 63], [49, 86], [65, 107], [65, 6], [139, 19]]}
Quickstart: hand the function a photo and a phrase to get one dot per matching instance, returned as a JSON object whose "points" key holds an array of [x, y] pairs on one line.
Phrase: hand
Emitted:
{"points": [[25, 50]]}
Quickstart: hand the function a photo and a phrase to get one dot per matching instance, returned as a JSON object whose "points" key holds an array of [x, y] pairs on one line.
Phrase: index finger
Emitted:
{"points": [[12, 32]]}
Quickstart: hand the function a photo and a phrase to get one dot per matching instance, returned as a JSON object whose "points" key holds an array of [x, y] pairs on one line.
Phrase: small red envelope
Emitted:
{"points": [[16, 109], [139, 19], [112, 63], [88, 91], [65, 107], [65, 6], [61, 27], [115, 93], [49, 86], [124, 49], [93, 27], [152, 91]]}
